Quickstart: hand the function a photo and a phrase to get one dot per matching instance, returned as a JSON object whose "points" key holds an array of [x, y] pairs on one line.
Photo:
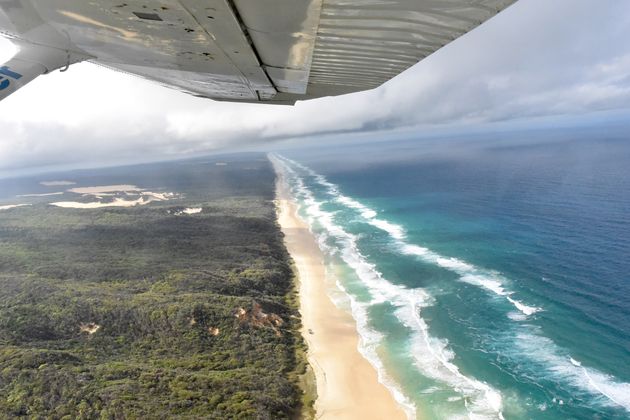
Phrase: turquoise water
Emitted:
{"points": [[488, 277]]}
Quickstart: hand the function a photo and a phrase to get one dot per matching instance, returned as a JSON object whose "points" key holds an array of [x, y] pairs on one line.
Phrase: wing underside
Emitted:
{"points": [[272, 51]]}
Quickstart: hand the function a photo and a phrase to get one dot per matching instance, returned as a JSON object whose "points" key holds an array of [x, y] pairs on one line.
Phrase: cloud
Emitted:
{"points": [[537, 58]]}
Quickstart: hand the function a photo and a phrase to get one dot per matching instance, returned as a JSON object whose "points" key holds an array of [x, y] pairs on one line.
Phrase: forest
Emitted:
{"points": [[144, 312]]}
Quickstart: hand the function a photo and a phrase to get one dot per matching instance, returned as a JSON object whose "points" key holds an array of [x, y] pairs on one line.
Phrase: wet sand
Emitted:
{"points": [[347, 384]]}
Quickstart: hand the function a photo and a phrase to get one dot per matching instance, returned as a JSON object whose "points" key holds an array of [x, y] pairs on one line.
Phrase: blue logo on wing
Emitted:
{"points": [[5, 75]]}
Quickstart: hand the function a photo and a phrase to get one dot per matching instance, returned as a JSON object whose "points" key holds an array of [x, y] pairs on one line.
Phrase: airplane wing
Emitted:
{"points": [[265, 51]]}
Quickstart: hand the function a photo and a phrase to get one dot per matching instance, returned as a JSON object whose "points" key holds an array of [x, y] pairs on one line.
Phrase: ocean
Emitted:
{"points": [[489, 274]]}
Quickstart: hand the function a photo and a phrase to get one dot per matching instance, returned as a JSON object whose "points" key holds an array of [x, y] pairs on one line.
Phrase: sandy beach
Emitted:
{"points": [[347, 385]]}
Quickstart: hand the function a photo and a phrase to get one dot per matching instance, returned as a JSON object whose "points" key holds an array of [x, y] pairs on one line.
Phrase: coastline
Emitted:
{"points": [[347, 384]]}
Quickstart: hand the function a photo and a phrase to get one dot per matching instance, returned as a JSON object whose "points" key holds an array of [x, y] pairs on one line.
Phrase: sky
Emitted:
{"points": [[538, 58]]}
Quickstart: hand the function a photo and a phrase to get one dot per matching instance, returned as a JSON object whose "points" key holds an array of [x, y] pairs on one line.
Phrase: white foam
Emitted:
{"points": [[517, 316], [369, 339], [485, 282], [481, 399], [616, 392], [454, 264], [470, 274], [419, 251], [485, 279], [527, 310], [368, 214], [565, 369], [548, 360], [396, 231]]}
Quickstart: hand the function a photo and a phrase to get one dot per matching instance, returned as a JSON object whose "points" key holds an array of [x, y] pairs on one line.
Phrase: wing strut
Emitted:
{"points": [[31, 61]]}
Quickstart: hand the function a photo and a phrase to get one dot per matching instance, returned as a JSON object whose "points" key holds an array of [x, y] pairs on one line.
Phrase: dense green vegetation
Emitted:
{"points": [[137, 312]]}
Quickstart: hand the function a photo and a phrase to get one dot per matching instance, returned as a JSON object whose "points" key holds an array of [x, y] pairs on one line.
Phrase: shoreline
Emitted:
{"points": [[347, 384]]}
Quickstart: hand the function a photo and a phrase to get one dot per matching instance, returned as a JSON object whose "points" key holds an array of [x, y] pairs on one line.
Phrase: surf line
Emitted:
{"points": [[485, 279], [475, 276], [484, 400], [598, 386]]}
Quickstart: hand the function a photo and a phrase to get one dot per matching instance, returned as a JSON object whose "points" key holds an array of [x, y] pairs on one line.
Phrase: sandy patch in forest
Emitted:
{"points": [[12, 206], [189, 210], [118, 202], [124, 195], [89, 328]]}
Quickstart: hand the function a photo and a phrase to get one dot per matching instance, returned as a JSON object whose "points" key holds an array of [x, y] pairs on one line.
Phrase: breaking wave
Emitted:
{"points": [[562, 368], [485, 279], [431, 355], [548, 360]]}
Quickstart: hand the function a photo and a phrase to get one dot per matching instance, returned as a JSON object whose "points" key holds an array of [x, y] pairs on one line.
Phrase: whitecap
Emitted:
{"points": [[565, 369], [480, 398], [485, 282], [527, 310], [470, 274], [547, 359], [369, 339], [368, 214], [517, 316], [396, 231], [415, 250]]}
